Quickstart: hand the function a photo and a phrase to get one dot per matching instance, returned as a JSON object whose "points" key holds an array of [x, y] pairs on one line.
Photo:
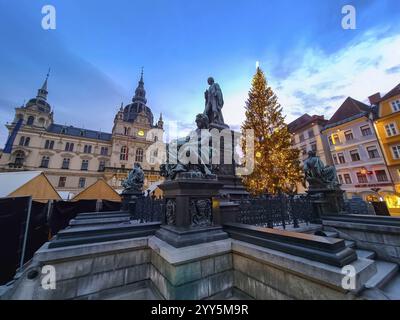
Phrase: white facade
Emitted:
{"points": [[74, 158], [358, 158]]}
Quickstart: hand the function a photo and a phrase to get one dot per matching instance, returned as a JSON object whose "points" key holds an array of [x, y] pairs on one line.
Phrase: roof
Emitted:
{"points": [[350, 109], [11, 181], [100, 190], [153, 187], [305, 120], [79, 132], [394, 92]]}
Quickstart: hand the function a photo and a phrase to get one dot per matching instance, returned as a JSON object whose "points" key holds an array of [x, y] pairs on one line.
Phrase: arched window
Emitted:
{"points": [[30, 121], [139, 155], [45, 162], [69, 146], [19, 158], [124, 153], [22, 141], [27, 140]]}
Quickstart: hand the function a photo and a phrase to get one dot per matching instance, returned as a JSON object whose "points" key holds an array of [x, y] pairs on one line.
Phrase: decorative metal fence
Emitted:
{"points": [[149, 210], [276, 211]]}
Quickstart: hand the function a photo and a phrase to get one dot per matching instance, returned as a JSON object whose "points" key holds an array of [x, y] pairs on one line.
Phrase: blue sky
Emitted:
{"points": [[99, 47]]}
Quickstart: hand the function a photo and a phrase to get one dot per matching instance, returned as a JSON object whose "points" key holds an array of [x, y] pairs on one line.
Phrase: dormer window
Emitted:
{"points": [[63, 130], [82, 133]]}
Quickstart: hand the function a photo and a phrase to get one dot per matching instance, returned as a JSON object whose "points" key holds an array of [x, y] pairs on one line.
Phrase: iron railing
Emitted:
{"points": [[278, 211]]}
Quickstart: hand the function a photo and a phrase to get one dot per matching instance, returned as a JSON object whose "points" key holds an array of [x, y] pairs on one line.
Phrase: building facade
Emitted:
{"points": [[387, 126], [306, 136], [74, 158], [356, 152]]}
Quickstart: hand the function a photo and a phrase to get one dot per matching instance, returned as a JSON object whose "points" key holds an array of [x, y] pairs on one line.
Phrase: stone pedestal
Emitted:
{"points": [[129, 199], [327, 201], [189, 218]]}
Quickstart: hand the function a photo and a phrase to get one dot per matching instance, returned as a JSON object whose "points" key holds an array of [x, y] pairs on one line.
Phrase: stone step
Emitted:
{"points": [[365, 254], [331, 234], [350, 244], [385, 272], [102, 216], [392, 288], [95, 221]]}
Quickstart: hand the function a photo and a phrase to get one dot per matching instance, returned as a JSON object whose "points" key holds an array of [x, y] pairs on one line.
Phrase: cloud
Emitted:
{"points": [[393, 70]]}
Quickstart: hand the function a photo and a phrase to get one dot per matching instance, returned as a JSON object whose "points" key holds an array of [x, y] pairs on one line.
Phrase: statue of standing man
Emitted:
{"points": [[214, 102]]}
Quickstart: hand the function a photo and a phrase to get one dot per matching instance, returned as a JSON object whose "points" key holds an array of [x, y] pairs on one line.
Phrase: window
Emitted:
{"points": [[85, 165], [69, 146], [347, 179], [396, 152], [19, 158], [314, 146], [87, 148], [45, 162], [362, 178], [22, 141], [396, 105], [334, 139], [302, 137], [27, 141], [349, 135], [49, 144], [303, 150], [139, 155], [341, 158], [65, 163], [340, 177], [366, 131], [335, 159], [82, 182], [102, 165], [391, 129], [373, 152], [104, 151], [61, 182], [355, 156], [381, 176], [124, 153], [127, 131], [311, 133], [30, 121]]}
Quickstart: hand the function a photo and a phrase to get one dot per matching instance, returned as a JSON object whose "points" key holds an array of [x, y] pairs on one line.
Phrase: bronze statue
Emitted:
{"points": [[135, 180], [317, 174], [191, 144], [214, 102]]}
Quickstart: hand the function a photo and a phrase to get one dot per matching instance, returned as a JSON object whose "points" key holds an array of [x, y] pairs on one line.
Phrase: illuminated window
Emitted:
{"points": [[140, 133], [362, 178]]}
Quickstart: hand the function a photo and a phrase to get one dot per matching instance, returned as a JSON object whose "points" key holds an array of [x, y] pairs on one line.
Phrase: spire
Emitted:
{"points": [[42, 92], [160, 123], [140, 92]]}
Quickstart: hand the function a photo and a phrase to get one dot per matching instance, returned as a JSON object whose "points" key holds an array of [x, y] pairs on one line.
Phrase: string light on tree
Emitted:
{"points": [[277, 166]]}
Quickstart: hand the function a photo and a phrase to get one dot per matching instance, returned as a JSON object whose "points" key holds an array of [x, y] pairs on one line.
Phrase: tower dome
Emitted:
{"points": [[138, 105]]}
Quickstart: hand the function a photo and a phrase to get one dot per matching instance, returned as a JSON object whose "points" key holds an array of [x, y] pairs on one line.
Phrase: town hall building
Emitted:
{"points": [[74, 158]]}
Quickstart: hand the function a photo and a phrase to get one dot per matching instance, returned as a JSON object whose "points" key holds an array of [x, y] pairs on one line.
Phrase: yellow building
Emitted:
{"points": [[387, 126]]}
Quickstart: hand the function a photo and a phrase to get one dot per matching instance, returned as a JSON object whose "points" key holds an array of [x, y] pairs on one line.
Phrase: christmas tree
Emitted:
{"points": [[276, 162]]}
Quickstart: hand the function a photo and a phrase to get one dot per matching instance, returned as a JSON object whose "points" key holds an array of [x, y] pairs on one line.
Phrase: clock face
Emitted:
{"points": [[140, 133]]}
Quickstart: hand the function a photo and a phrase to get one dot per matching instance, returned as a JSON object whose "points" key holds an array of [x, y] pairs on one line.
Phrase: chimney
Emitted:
{"points": [[375, 98]]}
